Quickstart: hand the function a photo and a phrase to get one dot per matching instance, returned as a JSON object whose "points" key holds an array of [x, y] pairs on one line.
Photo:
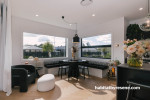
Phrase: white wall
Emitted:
{"points": [[126, 24], [137, 21], [20, 25], [117, 28]]}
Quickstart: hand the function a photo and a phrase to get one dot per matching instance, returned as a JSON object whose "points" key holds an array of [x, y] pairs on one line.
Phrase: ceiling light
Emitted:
{"points": [[93, 15], [145, 26], [36, 15], [70, 24], [140, 9], [86, 2]]}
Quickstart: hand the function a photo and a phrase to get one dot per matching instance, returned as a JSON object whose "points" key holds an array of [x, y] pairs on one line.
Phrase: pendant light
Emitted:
{"points": [[76, 39], [86, 2], [145, 26]]}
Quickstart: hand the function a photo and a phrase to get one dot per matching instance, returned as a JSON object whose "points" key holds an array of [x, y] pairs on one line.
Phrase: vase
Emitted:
{"points": [[135, 61]]}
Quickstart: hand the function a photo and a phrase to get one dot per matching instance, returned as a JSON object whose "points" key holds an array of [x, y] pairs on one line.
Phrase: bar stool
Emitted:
{"points": [[83, 70], [62, 67], [133, 83]]}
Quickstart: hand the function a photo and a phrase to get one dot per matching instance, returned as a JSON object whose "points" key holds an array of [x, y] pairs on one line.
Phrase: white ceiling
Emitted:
{"points": [[50, 11]]}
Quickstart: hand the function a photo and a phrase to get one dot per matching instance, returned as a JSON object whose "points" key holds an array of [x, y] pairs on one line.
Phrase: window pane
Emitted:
{"points": [[43, 46], [102, 52], [60, 47], [97, 40], [97, 46]]}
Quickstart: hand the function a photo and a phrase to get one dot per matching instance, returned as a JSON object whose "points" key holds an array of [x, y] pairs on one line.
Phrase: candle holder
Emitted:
{"points": [[113, 72]]}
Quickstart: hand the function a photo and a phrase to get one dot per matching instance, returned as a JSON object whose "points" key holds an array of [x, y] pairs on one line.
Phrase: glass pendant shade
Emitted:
{"points": [[145, 26]]}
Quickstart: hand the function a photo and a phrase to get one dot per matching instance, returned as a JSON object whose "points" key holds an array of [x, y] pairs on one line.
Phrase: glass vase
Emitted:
{"points": [[135, 61]]}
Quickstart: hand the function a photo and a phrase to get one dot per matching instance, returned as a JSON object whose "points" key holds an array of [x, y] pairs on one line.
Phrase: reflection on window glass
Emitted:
{"points": [[43, 46], [97, 46]]}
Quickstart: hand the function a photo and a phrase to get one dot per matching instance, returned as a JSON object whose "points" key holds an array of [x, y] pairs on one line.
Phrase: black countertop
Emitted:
{"points": [[145, 67]]}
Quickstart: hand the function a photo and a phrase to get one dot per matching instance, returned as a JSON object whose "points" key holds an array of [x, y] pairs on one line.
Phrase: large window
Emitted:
{"points": [[96, 46], [43, 46]]}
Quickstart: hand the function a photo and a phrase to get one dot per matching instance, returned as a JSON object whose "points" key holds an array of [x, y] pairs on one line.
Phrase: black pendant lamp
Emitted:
{"points": [[76, 39]]}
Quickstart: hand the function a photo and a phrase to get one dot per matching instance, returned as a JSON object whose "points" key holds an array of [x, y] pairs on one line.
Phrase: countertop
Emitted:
{"points": [[145, 67]]}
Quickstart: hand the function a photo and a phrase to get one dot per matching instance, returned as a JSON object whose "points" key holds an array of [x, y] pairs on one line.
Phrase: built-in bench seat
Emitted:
{"points": [[91, 64], [97, 65], [53, 64], [52, 67]]}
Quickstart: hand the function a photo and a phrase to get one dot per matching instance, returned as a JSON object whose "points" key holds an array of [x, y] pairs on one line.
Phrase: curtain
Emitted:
{"points": [[5, 47]]}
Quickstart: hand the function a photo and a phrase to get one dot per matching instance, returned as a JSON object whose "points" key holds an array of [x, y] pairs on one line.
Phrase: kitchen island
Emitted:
{"points": [[135, 74]]}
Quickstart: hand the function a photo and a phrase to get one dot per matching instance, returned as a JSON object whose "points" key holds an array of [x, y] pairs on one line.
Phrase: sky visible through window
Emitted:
{"points": [[36, 39], [97, 40], [43, 46]]}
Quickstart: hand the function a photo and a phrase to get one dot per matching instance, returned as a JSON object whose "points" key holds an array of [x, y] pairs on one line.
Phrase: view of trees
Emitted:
{"points": [[43, 46], [48, 47]]}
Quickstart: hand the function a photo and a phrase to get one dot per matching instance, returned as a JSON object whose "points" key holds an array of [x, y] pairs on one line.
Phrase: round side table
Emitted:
{"points": [[38, 68]]}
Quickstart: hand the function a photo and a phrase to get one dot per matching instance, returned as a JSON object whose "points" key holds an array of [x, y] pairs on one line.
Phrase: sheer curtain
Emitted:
{"points": [[5, 47]]}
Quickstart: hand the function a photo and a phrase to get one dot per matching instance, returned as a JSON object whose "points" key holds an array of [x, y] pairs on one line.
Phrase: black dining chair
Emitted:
{"points": [[83, 68]]}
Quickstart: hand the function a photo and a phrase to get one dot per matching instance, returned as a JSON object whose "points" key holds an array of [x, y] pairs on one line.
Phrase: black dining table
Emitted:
{"points": [[74, 67]]}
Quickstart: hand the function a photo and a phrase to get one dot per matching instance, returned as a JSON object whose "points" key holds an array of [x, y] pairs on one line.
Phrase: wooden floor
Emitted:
{"points": [[64, 90]]}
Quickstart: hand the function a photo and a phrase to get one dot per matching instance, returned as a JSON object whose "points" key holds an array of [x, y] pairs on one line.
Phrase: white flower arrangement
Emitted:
{"points": [[136, 48]]}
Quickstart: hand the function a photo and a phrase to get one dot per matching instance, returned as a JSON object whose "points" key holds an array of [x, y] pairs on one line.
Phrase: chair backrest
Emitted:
{"points": [[30, 68]]}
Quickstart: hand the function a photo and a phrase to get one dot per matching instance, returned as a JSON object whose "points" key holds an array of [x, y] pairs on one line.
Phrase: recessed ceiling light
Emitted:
{"points": [[93, 15], [140, 9], [70, 24], [36, 15]]}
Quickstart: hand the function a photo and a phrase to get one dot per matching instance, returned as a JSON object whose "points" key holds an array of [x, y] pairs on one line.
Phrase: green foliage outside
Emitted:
{"points": [[104, 53], [48, 47]]}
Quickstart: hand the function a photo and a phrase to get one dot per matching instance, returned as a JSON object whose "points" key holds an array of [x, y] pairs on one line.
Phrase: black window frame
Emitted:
{"points": [[97, 46]]}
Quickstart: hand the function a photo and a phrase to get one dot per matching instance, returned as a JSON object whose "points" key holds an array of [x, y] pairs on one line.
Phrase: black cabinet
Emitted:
{"points": [[140, 75]]}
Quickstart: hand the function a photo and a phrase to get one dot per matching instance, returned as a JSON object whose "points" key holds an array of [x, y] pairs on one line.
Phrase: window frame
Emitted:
{"points": [[97, 46], [66, 46]]}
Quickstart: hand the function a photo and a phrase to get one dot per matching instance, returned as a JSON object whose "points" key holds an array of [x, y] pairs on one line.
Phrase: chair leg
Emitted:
{"points": [[61, 73], [84, 72], [65, 71], [68, 73], [58, 71], [128, 93], [24, 87], [88, 70]]}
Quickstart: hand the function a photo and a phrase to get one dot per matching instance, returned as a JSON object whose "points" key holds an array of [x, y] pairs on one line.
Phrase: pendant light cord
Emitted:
{"points": [[76, 28], [70, 23]]}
